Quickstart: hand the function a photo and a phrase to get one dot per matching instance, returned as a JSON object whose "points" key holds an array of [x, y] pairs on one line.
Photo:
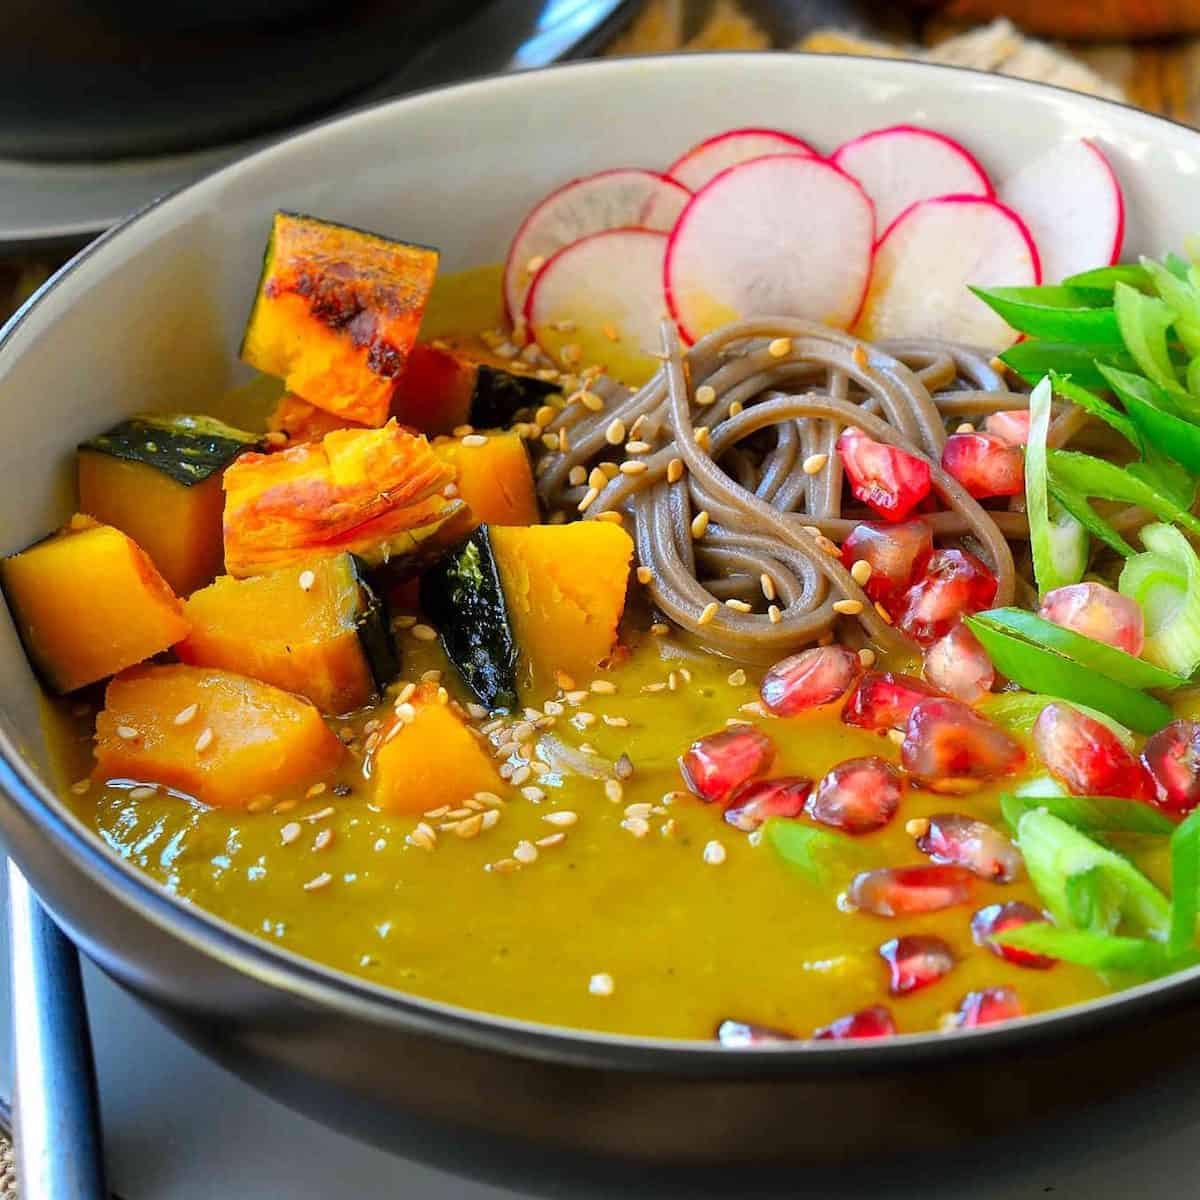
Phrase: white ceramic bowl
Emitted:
{"points": [[150, 317]]}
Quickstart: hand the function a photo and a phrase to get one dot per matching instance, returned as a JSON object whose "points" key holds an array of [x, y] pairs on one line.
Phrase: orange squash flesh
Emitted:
{"points": [[303, 629], [376, 493], [88, 603], [222, 738], [303, 422], [336, 314], [494, 480], [432, 760], [564, 586]]}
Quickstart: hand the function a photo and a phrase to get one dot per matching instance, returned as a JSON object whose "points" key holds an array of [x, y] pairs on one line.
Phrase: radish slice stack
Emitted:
{"points": [[883, 237], [1072, 203]]}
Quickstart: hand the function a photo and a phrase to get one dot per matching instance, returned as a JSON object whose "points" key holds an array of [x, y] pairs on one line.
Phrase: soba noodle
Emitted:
{"points": [[741, 413]]}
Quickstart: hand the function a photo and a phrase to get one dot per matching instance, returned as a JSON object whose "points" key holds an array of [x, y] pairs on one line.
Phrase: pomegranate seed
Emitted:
{"points": [[959, 666], [809, 679], [759, 799], [985, 1007], [985, 464], [744, 1033], [872, 1022], [899, 891], [996, 918], [883, 700], [1087, 756], [968, 842], [889, 480], [717, 764], [859, 795], [954, 585], [1012, 426], [947, 742], [1097, 612], [897, 554], [1172, 756], [915, 961]]}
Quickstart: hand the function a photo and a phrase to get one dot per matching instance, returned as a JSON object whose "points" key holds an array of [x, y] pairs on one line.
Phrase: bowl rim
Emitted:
{"points": [[336, 991]]}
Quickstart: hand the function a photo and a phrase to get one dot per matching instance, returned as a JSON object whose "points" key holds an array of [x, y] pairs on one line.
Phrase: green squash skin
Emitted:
{"points": [[499, 395], [373, 626], [187, 449], [463, 596]]}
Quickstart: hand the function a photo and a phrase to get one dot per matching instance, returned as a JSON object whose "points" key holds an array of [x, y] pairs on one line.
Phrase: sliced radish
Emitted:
{"points": [[600, 300], [903, 164], [1071, 200], [706, 160], [784, 236], [609, 200], [928, 257]]}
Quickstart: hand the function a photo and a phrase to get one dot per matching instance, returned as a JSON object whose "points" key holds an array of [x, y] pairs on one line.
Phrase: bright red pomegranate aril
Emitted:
{"points": [[1011, 425], [1097, 612], [720, 762], [916, 961], [884, 699], [996, 918], [955, 584], [1172, 757], [740, 1034], [963, 841], [897, 554], [1087, 756], [988, 1006], [859, 795], [809, 679], [873, 1022], [959, 666], [756, 801], [985, 464], [885, 478], [947, 742], [900, 891]]}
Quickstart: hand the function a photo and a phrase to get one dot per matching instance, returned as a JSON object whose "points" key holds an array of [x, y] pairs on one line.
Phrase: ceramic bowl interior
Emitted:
{"points": [[151, 316]]}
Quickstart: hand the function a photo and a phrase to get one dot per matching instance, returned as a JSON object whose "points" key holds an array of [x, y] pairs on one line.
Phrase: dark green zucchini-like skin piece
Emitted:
{"points": [[499, 395], [188, 449], [373, 626], [462, 595]]}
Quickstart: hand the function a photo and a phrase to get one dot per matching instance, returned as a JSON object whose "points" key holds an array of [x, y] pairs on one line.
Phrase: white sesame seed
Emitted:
{"points": [[613, 790], [490, 819], [406, 713], [535, 264], [848, 608], [474, 439], [551, 839], [525, 853], [860, 571], [603, 687], [641, 809], [708, 613], [633, 466], [307, 579], [126, 733], [611, 518], [323, 839], [675, 470], [736, 408], [739, 605], [638, 826], [204, 740], [614, 435], [637, 447], [859, 354], [601, 984], [866, 656], [714, 853], [917, 827], [705, 395], [780, 347], [489, 798], [319, 881], [965, 427], [896, 735], [184, 715], [562, 819], [290, 832], [424, 633], [80, 786], [476, 711], [736, 678], [701, 437], [700, 523], [577, 476], [616, 722], [814, 464], [533, 794]]}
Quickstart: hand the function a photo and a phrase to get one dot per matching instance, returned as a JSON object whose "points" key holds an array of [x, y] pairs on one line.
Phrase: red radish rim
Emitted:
{"points": [[533, 285], [1119, 237], [956, 146], [967, 198], [816, 160], [743, 131], [562, 187]]}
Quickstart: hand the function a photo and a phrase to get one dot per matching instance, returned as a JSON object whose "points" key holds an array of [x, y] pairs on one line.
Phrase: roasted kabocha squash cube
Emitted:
{"points": [[158, 479], [441, 389], [429, 760], [318, 631], [493, 479], [336, 314], [87, 603], [375, 493], [220, 737], [300, 421]]}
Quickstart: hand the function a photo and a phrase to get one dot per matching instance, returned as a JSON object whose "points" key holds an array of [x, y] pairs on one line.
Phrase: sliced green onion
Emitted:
{"points": [[813, 852], [1094, 477], [1055, 313], [1165, 581], [1066, 387], [1156, 415], [1143, 321], [1088, 652], [1181, 298], [1085, 515], [1090, 814], [1101, 952], [1056, 852], [1185, 883], [1104, 279], [1038, 668], [1032, 358]]}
